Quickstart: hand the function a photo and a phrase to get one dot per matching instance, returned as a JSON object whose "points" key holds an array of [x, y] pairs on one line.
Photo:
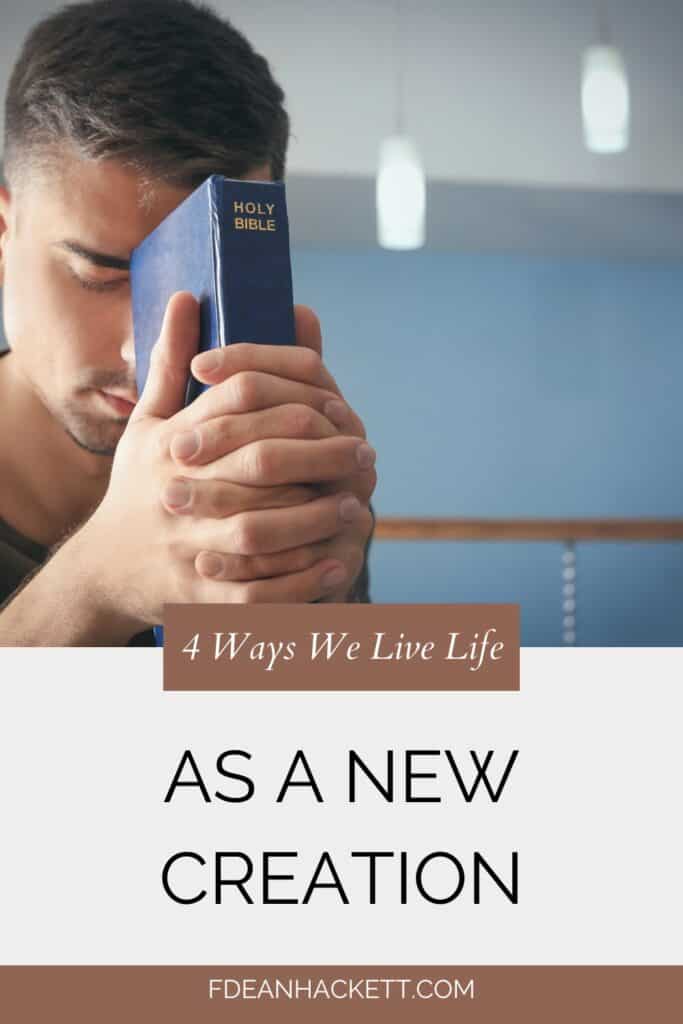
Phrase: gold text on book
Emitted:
{"points": [[259, 216]]}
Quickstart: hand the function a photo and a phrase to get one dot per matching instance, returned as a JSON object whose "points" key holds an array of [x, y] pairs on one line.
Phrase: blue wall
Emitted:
{"points": [[496, 385]]}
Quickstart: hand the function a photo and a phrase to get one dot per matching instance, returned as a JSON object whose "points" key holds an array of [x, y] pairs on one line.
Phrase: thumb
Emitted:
{"points": [[169, 367], [309, 335], [307, 327]]}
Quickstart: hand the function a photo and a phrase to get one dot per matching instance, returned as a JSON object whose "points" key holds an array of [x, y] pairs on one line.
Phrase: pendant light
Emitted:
{"points": [[401, 186], [605, 104]]}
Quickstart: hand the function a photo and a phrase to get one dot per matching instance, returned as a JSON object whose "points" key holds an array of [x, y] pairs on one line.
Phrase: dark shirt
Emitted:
{"points": [[20, 557]]}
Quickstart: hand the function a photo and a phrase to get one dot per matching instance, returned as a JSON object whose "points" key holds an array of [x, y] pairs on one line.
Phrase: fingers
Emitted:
{"points": [[308, 332], [268, 531], [222, 435], [315, 572], [302, 362], [256, 374], [247, 558], [309, 336], [169, 369], [252, 391], [217, 499], [297, 587], [239, 568], [283, 461], [362, 484], [288, 361], [350, 551]]}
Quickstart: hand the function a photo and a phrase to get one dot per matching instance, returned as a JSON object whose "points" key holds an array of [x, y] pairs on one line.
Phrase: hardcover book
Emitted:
{"points": [[228, 244]]}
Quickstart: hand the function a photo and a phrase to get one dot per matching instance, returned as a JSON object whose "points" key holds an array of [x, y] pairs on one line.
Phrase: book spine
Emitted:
{"points": [[253, 271]]}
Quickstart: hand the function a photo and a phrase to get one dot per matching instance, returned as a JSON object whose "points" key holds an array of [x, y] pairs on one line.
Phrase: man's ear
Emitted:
{"points": [[4, 227]]}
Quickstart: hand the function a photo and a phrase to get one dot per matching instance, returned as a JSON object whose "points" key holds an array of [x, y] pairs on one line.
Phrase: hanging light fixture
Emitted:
{"points": [[401, 187], [605, 102], [401, 195]]}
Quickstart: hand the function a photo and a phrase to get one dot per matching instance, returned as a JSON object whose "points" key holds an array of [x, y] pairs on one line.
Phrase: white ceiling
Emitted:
{"points": [[492, 88]]}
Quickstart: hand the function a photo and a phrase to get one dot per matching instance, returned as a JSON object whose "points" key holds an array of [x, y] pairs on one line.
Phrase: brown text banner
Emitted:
{"points": [[478, 995], [341, 647]]}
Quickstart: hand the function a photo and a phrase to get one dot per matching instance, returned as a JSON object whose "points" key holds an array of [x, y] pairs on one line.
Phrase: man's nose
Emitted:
{"points": [[128, 343], [128, 351]]}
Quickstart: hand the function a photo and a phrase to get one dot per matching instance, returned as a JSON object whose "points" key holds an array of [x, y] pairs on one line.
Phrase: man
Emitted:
{"points": [[259, 491]]}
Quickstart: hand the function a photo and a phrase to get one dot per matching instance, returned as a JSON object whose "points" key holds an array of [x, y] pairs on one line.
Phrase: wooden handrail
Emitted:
{"points": [[397, 528]]}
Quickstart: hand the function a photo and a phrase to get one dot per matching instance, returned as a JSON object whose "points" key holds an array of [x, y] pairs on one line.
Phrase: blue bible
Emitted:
{"points": [[228, 244]]}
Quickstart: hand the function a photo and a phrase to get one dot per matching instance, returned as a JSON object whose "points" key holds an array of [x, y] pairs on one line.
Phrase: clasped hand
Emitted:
{"points": [[256, 492]]}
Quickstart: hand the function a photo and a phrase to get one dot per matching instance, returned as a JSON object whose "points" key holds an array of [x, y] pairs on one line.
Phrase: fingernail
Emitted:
{"points": [[210, 564], [349, 508], [334, 577], [336, 413], [177, 494], [184, 446], [365, 456], [206, 362]]}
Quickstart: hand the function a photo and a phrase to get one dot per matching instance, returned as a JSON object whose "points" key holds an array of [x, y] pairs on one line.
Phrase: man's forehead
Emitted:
{"points": [[105, 204], [102, 203]]}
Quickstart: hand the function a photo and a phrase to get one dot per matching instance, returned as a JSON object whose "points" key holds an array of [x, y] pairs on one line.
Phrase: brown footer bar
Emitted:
{"points": [[192, 995]]}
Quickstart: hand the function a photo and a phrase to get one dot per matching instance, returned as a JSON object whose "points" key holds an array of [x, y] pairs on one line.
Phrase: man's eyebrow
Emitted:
{"points": [[100, 259]]}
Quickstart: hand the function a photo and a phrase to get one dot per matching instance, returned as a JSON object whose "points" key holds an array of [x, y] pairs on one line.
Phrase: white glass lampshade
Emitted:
{"points": [[401, 195], [604, 100]]}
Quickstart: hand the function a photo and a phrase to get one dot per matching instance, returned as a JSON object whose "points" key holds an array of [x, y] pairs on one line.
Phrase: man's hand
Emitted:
{"points": [[284, 447], [239, 519]]}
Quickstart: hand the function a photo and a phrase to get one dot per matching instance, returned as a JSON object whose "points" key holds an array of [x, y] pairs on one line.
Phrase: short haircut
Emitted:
{"points": [[165, 86]]}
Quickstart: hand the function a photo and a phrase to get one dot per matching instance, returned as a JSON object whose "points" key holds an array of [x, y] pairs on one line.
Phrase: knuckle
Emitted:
{"points": [[215, 499], [244, 535], [215, 437], [245, 389], [303, 420], [257, 462], [342, 456], [311, 361], [236, 355]]}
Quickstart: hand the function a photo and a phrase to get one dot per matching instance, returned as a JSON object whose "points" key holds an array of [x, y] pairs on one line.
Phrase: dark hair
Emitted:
{"points": [[165, 86]]}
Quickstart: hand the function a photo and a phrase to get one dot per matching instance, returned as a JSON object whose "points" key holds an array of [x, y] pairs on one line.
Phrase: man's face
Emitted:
{"points": [[66, 291], [67, 308]]}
